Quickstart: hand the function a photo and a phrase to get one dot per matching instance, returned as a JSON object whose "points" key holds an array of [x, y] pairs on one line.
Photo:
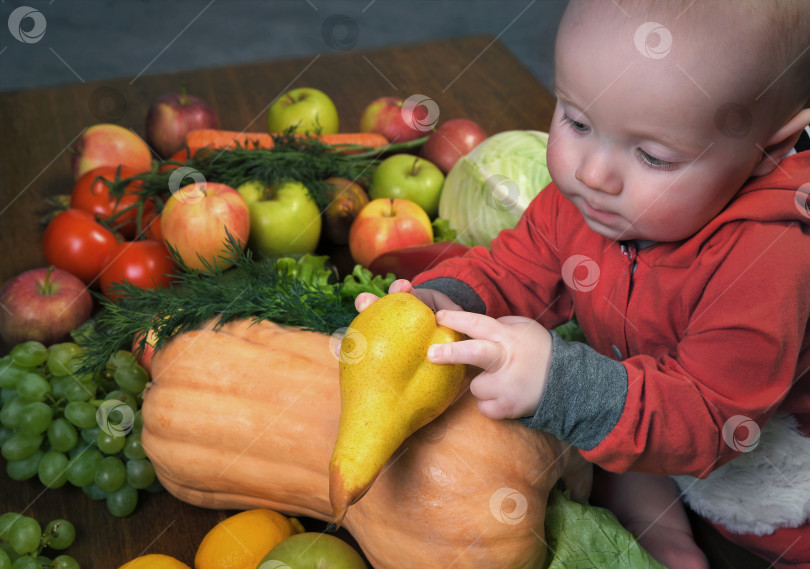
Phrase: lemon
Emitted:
{"points": [[242, 540], [154, 561]]}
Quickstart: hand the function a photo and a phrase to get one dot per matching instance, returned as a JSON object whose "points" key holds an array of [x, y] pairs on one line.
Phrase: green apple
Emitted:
{"points": [[312, 550], [306, 109], [408, 177], [283, 220]]}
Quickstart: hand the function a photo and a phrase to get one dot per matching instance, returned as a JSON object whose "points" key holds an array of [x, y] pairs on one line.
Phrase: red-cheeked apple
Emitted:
{"points": [[385, 115], [174, 115], [109, 145], [386, 224], [197, 219], [43, 305], [452, 140]]}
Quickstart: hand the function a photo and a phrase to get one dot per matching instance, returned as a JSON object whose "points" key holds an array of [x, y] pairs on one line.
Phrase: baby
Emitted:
{"points": [[677, 230]]}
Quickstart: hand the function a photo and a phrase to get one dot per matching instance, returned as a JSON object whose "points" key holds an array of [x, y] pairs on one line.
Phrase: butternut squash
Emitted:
{"points": [[246, 417]]}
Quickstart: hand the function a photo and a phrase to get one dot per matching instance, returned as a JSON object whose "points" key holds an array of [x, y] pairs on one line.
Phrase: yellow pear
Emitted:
{"points": [[388, 390]]}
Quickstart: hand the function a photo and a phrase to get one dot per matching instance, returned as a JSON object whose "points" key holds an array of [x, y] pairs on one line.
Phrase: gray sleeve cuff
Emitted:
{"points": [[459, 292], [584, 396]]}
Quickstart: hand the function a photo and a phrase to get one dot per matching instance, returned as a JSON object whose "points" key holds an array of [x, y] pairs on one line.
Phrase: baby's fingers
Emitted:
{"points": [[479, 353]]}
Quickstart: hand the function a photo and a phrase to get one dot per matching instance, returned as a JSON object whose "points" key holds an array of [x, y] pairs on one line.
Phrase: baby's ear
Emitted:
{"points": [[781, 142]]}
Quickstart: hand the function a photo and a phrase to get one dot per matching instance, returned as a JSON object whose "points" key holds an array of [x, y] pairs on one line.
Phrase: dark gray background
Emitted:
{"points": [[91, 40]]}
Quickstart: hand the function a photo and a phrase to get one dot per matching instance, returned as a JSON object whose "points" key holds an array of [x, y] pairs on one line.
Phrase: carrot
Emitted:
{"points": [[216, 138]]}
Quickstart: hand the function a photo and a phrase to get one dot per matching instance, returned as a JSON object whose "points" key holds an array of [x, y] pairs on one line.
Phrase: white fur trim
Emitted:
{"points": [[759, 491]]}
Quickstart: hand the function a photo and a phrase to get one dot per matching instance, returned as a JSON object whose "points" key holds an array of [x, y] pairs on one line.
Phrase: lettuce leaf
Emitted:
{"points": [[587, 537]]}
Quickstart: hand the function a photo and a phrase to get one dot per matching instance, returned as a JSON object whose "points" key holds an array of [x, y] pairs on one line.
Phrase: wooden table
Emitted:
{"points": [[475, 78]]}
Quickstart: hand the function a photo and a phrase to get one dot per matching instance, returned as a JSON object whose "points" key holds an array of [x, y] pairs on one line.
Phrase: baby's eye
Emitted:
{"points": [[576, 125], [654, 162]]}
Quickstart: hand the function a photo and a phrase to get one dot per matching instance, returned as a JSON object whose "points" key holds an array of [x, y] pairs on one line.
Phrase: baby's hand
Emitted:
{"points": [[514, 353], [433, 298]]}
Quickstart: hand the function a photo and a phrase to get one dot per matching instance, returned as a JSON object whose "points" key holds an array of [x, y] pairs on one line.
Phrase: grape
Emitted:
{"points": [[63, 360], [33, 387], [21, 445], [94, 492], [124, 397], [5, 562], [110, 474], [133, 448], [7, 521], [137, 424], [36, 417], [90, 435], [140, 473], [110, 443], [62, 435], [9, 373], [5, 433], [121, 358], [82, 468], [25, 562], [60, 534], [11, 412], [6, 548], [77, 391], [24, 535], [81, 447], [29, 354], [26, 468], [7, 394], [132, 378], [155, 487], [122, 502], [65, 562], [53, 469], [81, 414], [59, 386]]}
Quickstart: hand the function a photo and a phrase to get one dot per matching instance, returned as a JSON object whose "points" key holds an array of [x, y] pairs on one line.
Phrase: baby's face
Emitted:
{"points": [[648, 138]]}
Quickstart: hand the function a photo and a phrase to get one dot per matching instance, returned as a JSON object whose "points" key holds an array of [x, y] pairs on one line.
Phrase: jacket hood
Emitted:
{"points": [[781, 195]]}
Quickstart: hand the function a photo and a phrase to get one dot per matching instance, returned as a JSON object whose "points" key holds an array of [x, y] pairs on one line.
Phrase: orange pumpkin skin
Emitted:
{"points": [[246, 417]]}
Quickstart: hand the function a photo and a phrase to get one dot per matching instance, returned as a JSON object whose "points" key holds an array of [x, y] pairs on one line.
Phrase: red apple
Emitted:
{"points": [[452, 140], [346, 199], [43, 305], [195, 219], [386, 224], [172, 116], [145, 359], [395, 120], [110, 145]]}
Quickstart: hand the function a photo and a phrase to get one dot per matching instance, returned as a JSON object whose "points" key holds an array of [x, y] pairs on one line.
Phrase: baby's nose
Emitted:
{"points": [[598, 171]]}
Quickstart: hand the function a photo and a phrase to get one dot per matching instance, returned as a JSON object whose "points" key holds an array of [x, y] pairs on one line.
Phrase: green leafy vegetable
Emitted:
{"points": [[488, 189], [583, 537], [295, 292]]}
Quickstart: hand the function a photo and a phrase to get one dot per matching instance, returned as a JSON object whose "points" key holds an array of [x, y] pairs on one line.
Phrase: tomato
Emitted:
{"points": [[145, 264], [149, 226], [76, 242], [92, 193], [182, 156]]}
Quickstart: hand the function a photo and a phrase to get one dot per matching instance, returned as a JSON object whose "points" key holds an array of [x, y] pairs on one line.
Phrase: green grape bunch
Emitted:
{"points": [[24, 543], [66, 427]]}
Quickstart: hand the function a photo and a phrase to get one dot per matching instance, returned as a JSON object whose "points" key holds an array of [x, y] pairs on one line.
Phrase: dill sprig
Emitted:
{"points": [[251, 289]]}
